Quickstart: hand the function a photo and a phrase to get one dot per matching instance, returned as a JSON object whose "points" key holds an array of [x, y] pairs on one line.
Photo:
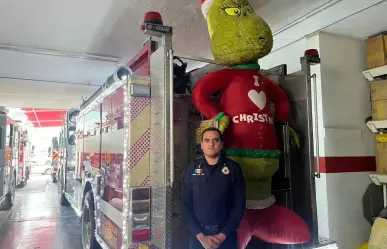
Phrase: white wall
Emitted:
{"points": [[344, 98], [347, 224], [290, 41], [344, 103], [345, 88], [289, 55], [318, 19]]}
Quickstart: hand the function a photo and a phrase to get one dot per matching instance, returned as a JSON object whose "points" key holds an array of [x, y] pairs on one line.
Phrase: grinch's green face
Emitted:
{"points": [[238, 35]]}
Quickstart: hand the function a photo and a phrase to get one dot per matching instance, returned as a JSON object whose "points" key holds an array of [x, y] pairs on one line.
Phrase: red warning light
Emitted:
{"points": [[311, 52], [152, 17]]}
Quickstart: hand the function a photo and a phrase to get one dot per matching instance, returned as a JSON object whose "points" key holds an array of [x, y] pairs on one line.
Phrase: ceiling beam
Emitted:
{"points": [[45, 110], [36, 116], [20, 101], [42, 121], [65, 54], [49, 81]]}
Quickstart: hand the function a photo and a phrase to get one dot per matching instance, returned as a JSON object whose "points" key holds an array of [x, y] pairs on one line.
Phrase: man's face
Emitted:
{"points": [[211, 144]]}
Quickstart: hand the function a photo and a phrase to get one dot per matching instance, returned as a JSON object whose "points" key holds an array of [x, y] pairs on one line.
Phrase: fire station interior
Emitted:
{"points": [[70, 129]]}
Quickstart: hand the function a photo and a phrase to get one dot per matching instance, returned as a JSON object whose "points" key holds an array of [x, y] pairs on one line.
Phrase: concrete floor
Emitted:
{"points": [[37, 221]]}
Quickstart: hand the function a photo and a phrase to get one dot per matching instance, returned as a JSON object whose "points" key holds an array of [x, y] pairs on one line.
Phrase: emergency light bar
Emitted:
{"points": [[153, 25]]}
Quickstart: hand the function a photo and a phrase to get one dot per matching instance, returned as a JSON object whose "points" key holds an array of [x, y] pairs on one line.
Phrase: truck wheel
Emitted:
{"points": [[22, 184], [88, 223], [61, 196], [54, 179], [10, 198]]}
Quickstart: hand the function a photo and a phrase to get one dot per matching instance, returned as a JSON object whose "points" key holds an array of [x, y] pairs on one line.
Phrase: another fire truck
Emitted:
{"points": [[8, 159], [122, 154], [24, 151], [54, 158]]}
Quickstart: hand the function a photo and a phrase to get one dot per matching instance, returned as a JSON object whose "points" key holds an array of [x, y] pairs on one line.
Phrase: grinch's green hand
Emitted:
{"points": [[223, 121], [293, 135]]}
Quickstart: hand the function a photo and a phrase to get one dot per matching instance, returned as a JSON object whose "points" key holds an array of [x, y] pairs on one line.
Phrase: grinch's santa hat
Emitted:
{"points": [[206, 5]]}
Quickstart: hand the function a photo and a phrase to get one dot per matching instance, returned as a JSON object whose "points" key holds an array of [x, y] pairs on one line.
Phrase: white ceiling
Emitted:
{"points": [[38, 94], [112, 27], [104, 27], [363, 24]]}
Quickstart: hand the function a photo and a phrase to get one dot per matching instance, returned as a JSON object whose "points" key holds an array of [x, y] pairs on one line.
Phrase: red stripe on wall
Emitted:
{"points": [[346, 164]]}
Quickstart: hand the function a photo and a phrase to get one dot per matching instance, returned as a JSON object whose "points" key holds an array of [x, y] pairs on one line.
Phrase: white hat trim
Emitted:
{"points": [[206, 7]]}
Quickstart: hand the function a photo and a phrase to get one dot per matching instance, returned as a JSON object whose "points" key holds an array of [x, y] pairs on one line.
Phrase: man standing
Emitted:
{"points": [[213, 196]]}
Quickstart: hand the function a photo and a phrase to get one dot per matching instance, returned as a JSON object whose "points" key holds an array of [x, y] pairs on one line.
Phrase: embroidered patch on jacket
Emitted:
{"points": [[225, 170], [198, 172]]}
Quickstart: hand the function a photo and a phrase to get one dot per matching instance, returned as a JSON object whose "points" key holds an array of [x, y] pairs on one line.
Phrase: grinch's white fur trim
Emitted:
{"points": [[206, 7], [261, 204]]}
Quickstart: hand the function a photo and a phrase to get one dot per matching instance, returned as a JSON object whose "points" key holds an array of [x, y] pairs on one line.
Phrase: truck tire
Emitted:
{"points": [[54, 178], [62, 199], [61, 196], [22, 184], [88, 223], [10, 198]]}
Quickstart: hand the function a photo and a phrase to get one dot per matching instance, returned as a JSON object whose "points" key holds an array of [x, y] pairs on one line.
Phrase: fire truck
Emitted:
{"points": [[8, 159], [24, 150], [122, 154], [54, 158]]}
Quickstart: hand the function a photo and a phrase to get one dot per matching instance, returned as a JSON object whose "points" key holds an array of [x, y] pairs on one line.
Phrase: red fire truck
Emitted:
{"points": [[8, 159], [123, 152], [54, 158], [24, 151]]}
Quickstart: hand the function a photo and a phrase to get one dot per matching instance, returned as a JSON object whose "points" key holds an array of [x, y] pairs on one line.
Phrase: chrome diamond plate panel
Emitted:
{"points": [[161, 212]]}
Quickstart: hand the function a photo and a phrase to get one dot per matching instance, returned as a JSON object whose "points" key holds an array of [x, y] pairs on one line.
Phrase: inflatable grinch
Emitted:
{"points": [[239, 37]]}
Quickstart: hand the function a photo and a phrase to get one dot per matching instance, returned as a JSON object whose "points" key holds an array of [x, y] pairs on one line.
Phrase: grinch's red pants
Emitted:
{"points": [[275, 224]]}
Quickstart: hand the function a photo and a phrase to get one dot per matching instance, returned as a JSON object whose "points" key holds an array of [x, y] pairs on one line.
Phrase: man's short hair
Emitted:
{"points": [[213, 129]]}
